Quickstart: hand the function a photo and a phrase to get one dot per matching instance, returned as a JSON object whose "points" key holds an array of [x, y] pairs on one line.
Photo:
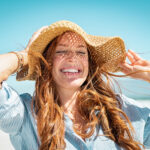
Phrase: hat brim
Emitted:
{"points": [[107, 52]]}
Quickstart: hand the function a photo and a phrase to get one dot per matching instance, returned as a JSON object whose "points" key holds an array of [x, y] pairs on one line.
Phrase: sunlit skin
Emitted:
{"points": [[136, 64], [70, 68]]}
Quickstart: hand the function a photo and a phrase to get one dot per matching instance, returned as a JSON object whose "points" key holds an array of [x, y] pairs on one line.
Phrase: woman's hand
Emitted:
{"points": [[34, 37], [9, 61], [137, 64]]}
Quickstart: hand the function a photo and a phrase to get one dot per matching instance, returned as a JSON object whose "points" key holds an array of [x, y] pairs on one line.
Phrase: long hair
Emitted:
{"points": [[97, 105]]}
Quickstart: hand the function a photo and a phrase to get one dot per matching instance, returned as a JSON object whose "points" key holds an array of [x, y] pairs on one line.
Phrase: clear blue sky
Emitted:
{"points": [[129, 19]]}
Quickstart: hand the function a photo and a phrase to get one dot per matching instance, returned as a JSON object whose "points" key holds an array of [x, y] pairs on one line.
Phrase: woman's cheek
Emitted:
{"points": [[56, 60]]}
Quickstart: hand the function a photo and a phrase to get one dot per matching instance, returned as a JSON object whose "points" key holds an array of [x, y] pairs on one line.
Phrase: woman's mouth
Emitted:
{"points": [[71, 73]]}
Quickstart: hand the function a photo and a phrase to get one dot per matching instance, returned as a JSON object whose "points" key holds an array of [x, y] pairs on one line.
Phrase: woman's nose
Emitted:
{"points": [[72, 54]]}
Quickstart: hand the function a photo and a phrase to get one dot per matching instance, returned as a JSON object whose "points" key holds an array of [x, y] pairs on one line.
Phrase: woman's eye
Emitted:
{"points": [[81, 52], [61, 52]]}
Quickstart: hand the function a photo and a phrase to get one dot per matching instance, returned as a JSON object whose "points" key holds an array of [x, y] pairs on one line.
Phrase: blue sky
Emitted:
{"points": [[129, 19]]}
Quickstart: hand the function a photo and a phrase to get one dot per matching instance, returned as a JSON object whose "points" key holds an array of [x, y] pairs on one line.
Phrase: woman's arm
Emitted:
{"points": [[12, 108], [9, 63], [139, 65]]}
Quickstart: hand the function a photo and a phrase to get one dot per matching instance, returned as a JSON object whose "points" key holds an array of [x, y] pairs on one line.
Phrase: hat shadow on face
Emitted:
{"points": [[107, 52]]}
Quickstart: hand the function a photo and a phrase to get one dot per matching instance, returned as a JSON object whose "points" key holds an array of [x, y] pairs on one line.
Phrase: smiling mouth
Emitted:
{"points": [[71, 73], [70, 70]]}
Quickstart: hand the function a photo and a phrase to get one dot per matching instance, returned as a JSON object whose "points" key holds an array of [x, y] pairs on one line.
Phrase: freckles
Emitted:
{"points": [[59, 58], [56, 59], [85, 60], [55, 62]]}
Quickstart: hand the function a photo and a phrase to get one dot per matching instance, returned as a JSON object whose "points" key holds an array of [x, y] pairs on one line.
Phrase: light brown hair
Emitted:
{"points": [[98, 107]]}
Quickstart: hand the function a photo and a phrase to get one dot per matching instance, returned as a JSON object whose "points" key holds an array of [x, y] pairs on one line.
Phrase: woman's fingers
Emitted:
{"points": [[126, 67], [135, 55], [40, 30], [131, 58], [34, 36], [137, 69]]}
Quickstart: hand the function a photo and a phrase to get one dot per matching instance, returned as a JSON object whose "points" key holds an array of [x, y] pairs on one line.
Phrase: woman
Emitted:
{"points": [[74, 105]]}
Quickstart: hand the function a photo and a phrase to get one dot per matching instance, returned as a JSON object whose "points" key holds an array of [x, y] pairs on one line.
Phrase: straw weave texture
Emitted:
{"points": [[106, 52]]}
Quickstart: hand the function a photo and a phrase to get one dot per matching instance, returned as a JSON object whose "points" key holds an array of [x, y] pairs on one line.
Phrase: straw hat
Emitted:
{"points": [[106, 52]]}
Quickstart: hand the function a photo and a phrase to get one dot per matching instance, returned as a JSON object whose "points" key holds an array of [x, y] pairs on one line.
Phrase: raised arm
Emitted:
{"points": [[9, 63], [12, 108]]}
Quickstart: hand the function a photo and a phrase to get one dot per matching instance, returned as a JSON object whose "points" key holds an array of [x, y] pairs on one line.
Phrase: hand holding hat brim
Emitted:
{"points": [[106, 52], [138, 68], [34, 37]]}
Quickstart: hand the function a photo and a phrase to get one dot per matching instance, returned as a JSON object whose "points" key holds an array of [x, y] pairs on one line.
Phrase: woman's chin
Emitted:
{"points": [[72, 83]]}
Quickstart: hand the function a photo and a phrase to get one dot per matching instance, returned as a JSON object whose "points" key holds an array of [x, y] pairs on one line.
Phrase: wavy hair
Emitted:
{"points": [[97, 105]]}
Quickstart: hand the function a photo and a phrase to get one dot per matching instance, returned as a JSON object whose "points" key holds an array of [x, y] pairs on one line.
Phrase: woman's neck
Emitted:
{"points": [[68, 100]]}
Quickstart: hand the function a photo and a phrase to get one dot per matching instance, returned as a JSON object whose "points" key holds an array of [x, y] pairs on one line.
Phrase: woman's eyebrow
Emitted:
{"points": [[65, 45], [81, 46]]}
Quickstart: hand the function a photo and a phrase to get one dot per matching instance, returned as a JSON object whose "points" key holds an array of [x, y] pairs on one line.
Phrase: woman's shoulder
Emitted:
{"points": [[132, 107], [139, 115], [26, 96], [8, 94]]}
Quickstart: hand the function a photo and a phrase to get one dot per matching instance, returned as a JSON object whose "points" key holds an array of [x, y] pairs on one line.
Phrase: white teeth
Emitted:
{"points": [[69, 70]]}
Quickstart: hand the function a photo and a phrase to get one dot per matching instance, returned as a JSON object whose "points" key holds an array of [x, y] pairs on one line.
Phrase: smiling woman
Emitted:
{"points": [[74, 105], [70, 62]]}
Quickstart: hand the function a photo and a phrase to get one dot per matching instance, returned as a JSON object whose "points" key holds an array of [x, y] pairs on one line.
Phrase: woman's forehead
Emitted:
{"points": [[71, 39]]}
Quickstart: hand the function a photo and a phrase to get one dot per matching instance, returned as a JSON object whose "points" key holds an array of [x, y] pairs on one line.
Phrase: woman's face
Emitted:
{"points": [[70, 61]]}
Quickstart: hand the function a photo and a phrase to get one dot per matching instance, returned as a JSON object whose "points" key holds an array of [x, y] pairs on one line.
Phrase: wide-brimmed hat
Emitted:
{"points": [[107, 52]]}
